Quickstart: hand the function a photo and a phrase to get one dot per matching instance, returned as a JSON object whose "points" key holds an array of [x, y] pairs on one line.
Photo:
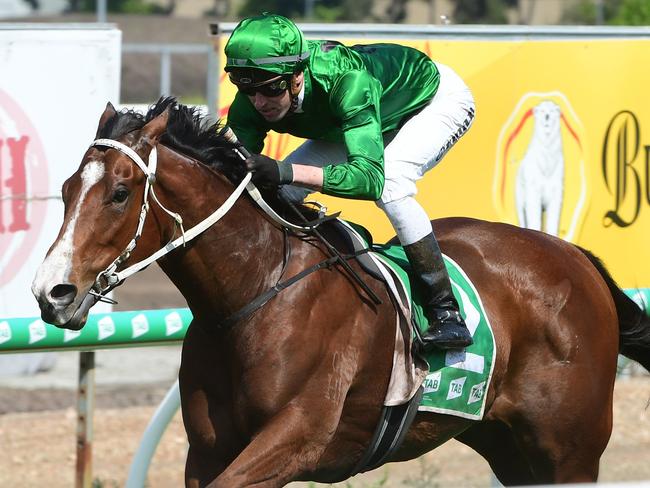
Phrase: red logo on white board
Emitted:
{"points": [[23, 184]]}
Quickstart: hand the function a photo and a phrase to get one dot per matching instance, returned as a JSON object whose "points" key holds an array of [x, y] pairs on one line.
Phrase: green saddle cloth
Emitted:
{"points": [[457, 379]]}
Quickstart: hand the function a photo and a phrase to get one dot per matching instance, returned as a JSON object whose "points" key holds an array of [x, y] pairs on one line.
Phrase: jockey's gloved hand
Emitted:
{"points": [[267, 172]]}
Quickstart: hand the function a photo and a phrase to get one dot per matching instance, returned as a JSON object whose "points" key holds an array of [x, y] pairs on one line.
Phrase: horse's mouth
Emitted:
{"points": [[70, 317]]}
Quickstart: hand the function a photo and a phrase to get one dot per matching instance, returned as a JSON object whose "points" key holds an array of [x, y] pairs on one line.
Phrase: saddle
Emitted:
{"points": [[452, 382]]}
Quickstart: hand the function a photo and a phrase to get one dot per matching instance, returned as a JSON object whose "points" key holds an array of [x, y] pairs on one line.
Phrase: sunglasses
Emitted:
{"points": [[274, 88]]}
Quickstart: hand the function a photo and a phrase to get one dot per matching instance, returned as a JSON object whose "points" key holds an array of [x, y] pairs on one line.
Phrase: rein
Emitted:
{"points": [[261, 300], [110, 278], [239, 149]]}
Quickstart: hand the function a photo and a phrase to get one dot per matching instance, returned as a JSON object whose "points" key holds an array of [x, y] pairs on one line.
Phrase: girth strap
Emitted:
{"points": [[394, 423], [262, 299]]}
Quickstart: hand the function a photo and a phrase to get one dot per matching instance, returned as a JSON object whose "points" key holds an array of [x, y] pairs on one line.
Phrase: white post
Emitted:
{"points": [[151, 437], [101, 10], [165, 72]]}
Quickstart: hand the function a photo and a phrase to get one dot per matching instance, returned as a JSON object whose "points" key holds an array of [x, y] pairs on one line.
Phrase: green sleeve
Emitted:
{"points": [[247, 124], [354, 100]]}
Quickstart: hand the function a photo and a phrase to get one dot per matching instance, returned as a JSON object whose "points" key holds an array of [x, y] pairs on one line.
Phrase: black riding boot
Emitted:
{"points": [[447, 329]]}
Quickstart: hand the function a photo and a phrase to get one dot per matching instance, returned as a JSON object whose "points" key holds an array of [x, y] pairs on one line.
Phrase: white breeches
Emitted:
{"points": [[409, 153]]}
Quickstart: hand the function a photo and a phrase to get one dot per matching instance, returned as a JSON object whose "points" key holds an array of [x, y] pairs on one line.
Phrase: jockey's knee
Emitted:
{"points": [[408, 218], [396, 189]]}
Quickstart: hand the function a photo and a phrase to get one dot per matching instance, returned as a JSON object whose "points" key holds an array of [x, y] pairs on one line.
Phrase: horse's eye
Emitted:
{"points": [[120, 195]]}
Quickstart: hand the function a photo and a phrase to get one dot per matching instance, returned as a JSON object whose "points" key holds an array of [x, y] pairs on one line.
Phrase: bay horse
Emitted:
{"points": [[293, 390]]}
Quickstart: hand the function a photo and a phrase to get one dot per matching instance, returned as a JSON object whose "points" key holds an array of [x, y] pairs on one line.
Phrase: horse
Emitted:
{"points": [[293, 390]]}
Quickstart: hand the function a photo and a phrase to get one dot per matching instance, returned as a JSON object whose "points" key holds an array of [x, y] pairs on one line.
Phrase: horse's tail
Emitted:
{"points": [[634, 323]]}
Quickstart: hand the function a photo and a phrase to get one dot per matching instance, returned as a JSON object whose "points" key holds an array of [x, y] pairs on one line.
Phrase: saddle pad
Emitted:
{"points": [[458, 379]]}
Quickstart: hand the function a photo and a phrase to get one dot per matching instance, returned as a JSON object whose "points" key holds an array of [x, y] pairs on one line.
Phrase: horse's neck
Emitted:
{"points": [[233, 261]]}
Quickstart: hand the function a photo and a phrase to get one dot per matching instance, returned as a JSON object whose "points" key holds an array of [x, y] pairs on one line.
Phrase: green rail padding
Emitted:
{"points": [[127, 329], [115, 329]]}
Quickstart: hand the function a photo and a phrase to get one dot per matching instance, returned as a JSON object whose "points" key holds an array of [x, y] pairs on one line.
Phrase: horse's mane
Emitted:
{"points": [[197, 136], [188, 131]]}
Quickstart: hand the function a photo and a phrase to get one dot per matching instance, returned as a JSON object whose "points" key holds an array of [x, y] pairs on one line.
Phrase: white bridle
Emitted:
{"points": [[110, 277]]}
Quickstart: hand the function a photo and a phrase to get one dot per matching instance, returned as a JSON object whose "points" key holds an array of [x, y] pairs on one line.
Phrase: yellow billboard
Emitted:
{"points": [[560, 143]]}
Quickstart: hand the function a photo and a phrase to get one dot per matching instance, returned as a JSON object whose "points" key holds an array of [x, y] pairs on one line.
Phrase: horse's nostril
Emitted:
{"points": [[63, 294]]}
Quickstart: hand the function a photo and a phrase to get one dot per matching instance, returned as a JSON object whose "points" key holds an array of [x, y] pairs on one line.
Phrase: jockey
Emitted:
{"points": [[376, 118]]}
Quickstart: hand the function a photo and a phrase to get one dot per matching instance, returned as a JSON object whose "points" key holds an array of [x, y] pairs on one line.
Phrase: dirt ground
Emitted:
{"points": [[37, 421], [39, 449]]}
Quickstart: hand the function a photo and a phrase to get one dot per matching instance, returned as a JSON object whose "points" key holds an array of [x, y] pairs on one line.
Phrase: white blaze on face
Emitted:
{"points": [[58, 264]]}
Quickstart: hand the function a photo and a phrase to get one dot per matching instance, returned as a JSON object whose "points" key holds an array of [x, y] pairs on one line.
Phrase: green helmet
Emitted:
{"points": [[269, 42]]}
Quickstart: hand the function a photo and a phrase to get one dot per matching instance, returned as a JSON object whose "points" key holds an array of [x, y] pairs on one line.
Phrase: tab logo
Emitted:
{"points": [[139, 326], [173, 323], [540, 178], [476, 393], [23, 175], [69, 335], [105, 328], [432, 382], [5, 332], [456, 388], [36, 331]]}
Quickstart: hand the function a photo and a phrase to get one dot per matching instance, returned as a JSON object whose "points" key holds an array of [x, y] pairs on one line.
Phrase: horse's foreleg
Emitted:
{"points": [[207, 415], [199, 466], [291, 443], [210, 449]]}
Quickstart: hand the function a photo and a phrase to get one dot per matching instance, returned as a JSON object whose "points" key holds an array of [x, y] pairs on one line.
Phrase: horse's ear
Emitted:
{"points": [[109, 112], [156, 126]]}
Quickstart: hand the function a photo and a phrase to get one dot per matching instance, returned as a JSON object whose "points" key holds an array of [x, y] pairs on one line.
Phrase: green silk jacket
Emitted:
{"points": [[352, 95]]}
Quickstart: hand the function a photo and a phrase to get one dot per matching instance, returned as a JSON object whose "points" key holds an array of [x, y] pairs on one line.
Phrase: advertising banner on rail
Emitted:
{"points": [[560, 143], [55, 81]]}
